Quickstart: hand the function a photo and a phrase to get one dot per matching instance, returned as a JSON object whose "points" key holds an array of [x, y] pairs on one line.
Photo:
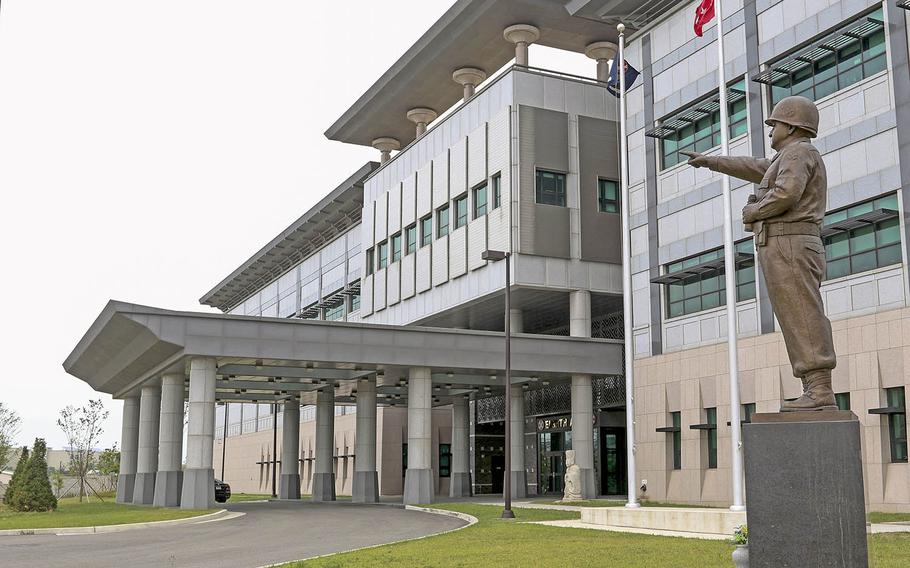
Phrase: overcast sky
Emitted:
{"points": [[148, 148]]}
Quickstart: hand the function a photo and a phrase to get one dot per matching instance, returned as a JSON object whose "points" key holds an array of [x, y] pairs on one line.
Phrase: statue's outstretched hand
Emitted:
{"points": [[696, 159]]}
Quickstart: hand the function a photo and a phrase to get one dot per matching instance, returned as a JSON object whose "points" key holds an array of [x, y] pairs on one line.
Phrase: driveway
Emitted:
{"points": [[268, 533]]}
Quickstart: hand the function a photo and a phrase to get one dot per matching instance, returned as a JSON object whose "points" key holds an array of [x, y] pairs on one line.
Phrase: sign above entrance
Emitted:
{"points": [[554, 424]]}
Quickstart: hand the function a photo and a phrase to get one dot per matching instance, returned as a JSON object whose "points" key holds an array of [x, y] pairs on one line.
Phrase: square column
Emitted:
{"points": [[366, 478], [323, 474], [582, 397], [419, 485], [460, 482], [147, 458], [516, 443], [289, 486], [129, 447], [169, 480], [198, 490]]}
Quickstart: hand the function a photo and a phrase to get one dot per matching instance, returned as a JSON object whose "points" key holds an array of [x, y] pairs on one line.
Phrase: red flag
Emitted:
{"points": [[703, 14]]}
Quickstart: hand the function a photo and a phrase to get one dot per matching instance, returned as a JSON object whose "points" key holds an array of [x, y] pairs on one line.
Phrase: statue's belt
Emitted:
{"points": [[787, 229]]}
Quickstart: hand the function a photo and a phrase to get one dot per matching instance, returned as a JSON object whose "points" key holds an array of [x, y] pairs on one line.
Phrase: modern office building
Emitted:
{"points": [[378, 303]]}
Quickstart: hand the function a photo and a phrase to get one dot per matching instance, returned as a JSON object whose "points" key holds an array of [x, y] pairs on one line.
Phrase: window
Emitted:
{"points": [[708, 289], [696, 128], [844, 58], [445, 460], [383, 255], [369, 261], [426, 230], [607, 196], [497, 191], [480, 201], [336, 313], [712, 437], [442, 221], [843, 400], [897, 424], [461, 211], [551, 188], [410, 239], [355, 302], [869, 246], [747, 412], [677, 440], [396, 247]]}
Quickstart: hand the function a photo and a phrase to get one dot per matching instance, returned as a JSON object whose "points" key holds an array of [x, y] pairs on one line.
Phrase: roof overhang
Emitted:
{"points": [[469, 34], [128, 345], [333, 215]]}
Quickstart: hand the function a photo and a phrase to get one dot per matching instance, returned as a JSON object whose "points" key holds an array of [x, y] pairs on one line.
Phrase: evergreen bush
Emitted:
{"points": [[16, 480], [35, 493]]}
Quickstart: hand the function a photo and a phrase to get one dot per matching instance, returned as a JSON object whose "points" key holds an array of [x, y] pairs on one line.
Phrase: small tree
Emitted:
{"points": [[16, 481], [82, 427], [109, 465], [9, 428], [58, 482], [33, 492]]}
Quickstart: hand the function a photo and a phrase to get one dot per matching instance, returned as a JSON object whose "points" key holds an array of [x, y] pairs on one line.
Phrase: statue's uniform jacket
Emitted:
{"points": [[791, 201]]}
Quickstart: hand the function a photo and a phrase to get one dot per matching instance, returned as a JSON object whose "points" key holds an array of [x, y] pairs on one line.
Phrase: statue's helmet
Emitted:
{"points": [[796, 111]]}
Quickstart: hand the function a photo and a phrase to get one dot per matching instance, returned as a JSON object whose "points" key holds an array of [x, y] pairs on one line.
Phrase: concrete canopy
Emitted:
{"points": [[269, 359]]}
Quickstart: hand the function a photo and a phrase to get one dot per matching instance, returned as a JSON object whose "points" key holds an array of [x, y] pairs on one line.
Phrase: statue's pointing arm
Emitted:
{"points": [[742, 167]]}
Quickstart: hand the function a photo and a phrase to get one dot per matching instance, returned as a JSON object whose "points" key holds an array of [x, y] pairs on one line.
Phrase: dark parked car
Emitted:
{"points": [[222, 491]]}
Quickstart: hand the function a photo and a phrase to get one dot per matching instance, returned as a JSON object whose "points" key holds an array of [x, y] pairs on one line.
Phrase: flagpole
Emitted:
{"points": [[632, 485], [730, 276]]}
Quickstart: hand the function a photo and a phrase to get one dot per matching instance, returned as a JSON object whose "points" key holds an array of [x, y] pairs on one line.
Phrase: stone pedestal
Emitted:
{"points": [[125, 484], [804, 490], [168, 488], [418, 487], [289, 486], [366, 487], [198, 491], [144, 488], [323, 487], [519, 487], [460, 484]]}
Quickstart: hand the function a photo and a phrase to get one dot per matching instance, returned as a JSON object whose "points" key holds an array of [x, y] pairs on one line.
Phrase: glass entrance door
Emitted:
{"points": [[613, 460], [551, 459]]}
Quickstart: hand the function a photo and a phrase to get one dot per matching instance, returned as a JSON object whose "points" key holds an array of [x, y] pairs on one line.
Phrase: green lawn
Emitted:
{"points": [[494, 542], [888, 517], [615, 503], [241, 497], [71, 513]]}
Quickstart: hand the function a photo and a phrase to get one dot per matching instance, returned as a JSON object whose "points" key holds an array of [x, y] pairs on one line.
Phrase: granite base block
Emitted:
{"points": [[366, 487], [168, 488], [289, 486], [323, 487], [804, 486], [419, 487], [198, 490], [460, 484], [144, 489], [126, 482]]}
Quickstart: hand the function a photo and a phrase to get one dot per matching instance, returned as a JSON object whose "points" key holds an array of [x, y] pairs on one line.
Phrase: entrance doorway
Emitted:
{"points": [[498, 468], [551, 460], [613, 461]]}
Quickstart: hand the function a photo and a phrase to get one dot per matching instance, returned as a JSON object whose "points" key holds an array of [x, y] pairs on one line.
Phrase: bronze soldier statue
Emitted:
{"points": [[786, 214]]}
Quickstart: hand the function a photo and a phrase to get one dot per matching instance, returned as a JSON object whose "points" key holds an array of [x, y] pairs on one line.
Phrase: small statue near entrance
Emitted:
{"points": [[572, 478]]}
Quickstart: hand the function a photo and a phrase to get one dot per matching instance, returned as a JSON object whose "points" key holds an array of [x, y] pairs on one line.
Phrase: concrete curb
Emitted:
{"points": [[112, 528], [470, 519]]}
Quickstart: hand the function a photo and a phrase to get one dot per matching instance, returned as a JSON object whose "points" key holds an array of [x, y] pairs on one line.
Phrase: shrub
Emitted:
{"points": [[34, 492], [16, 480], [741, 535]]}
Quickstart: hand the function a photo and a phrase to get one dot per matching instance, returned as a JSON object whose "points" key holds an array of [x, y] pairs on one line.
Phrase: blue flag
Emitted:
{"points": [[613, 82]]}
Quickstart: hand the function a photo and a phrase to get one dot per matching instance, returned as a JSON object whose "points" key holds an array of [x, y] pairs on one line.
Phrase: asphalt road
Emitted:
{"points": [[269, 533]]}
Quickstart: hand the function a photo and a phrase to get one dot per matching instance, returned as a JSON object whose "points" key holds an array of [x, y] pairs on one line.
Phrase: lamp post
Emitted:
{"points": [[495, 256]]}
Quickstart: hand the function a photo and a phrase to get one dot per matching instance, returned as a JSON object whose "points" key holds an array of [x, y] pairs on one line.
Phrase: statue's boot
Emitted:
{"points": [[817, 394]]}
